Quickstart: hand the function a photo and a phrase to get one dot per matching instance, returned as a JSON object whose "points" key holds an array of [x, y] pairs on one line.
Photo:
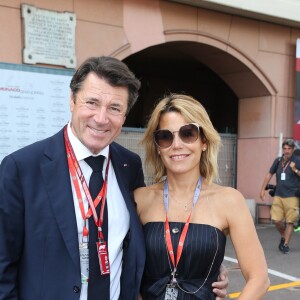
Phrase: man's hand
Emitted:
{"points": [[293, 166], [262, 195], [219, 287]]}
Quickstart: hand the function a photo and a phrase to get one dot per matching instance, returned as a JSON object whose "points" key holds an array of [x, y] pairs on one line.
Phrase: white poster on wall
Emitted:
{"points": [[33, 106]]}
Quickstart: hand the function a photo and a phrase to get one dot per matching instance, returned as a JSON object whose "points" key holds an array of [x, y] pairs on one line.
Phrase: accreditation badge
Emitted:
{"points": [[171, 292], [282, 177], [103, 257], [84, 262]]}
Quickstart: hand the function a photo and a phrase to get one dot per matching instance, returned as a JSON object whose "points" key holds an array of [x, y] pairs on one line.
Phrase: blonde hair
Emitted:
{"points": [[193, 112]]}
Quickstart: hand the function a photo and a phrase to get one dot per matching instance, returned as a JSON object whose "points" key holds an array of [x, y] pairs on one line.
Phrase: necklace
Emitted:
{"points": [[186, 205]]}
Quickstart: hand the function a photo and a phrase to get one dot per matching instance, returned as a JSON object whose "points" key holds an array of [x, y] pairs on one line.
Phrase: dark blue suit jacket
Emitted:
{"points": [[39, 255]]}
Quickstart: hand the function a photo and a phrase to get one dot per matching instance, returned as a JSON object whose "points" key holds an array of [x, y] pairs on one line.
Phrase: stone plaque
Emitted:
{"points": [[49, 37]]}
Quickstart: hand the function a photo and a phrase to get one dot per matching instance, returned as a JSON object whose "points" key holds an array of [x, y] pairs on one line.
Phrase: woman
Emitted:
{"points": [[186, 217]]}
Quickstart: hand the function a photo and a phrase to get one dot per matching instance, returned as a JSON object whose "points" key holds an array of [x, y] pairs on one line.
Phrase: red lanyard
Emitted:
{"points": [[184, 231], [180, 243], [76, 173]]}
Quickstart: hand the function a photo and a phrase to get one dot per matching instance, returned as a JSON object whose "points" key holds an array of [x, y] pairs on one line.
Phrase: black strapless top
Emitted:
{"points": [[199, 265]]}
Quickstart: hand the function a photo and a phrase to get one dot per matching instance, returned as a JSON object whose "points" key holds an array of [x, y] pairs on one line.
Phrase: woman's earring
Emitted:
{"points": [[158, 152], [204, 149]]}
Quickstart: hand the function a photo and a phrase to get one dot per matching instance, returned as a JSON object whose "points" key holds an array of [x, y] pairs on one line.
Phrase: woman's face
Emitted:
{"points": [[179, 157]]}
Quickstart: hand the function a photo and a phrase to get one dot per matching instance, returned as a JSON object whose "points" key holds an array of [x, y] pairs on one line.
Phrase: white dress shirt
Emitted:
{"points": [[118, 220]]}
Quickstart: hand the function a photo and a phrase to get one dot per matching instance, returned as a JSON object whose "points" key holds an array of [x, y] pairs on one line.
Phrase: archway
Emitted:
{"points": [[219, 79], [214, 77]]}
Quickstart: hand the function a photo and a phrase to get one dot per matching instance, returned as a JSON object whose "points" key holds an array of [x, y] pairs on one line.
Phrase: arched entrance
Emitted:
{"points": [[172, 67], [215, 77]]}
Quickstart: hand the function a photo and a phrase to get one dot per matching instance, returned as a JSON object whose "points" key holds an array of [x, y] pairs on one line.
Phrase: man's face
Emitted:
{"points": [[98, 112], [287, 152]]}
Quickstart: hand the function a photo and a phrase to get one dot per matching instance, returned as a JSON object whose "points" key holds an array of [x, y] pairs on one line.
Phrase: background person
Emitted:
{"points": [[285, 207], [185, 216]]}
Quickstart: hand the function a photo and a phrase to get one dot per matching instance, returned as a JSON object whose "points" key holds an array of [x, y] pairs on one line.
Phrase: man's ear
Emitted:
{"points": [[124, 119], [72, 101]]}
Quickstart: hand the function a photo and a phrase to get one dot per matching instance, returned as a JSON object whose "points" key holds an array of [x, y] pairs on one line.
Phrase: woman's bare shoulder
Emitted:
{"points": [[225, 193], [148, 189], [147, 192], [147, 198], [224, 189]]}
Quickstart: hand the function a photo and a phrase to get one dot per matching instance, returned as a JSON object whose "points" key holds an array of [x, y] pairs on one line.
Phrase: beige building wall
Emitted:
{"points": [[259, 55]]}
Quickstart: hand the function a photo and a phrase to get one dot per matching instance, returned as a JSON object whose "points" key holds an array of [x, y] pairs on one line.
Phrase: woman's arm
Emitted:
{"points": [[247, 246]]}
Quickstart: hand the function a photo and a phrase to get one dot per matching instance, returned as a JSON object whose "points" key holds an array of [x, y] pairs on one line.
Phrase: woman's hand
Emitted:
{"points": [[220, 287]]}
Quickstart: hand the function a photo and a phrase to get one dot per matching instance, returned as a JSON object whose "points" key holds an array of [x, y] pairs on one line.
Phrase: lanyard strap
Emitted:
{"points": [[284, 166], [185, 228], [180, 244], [76, 173]]}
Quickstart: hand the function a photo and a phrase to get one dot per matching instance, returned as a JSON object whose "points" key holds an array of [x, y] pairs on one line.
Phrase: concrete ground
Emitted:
{"points": [[284, 269]]}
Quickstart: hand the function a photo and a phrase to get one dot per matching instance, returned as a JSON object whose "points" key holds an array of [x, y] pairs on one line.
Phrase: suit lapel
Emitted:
{"points": [[122, 171], [56, 176]]}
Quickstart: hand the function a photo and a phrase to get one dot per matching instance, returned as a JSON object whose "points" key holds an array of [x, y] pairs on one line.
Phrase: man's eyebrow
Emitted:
{"points": [[116, 103], [91, 98]]}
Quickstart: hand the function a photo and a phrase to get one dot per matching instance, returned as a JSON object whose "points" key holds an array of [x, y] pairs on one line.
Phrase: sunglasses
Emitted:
{"points": [[189, 133]]}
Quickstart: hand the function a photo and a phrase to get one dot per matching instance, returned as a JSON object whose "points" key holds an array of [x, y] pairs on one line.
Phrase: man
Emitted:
{"points": [[285, 207], [68, 225]]}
